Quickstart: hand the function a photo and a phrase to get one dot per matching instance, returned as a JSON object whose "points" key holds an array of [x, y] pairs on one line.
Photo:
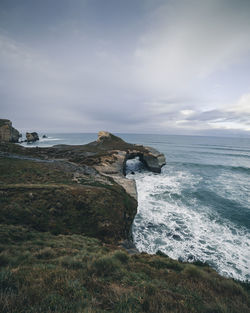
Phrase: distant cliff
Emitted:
{"points": [[7, 132]]}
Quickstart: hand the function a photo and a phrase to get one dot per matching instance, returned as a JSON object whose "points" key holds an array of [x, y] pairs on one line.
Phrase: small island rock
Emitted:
{"points": [[31, 137]]}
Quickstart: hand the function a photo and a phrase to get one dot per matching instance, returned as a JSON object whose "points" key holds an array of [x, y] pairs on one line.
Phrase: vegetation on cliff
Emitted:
{"points": [[56, 197], [42, 272], [62, 223]]}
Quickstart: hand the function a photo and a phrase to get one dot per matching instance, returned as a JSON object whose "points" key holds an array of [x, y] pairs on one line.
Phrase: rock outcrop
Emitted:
{"points": [[150, 157], [114, 164], [76, 189], [52, 200], [32, 137], [7, 132]]}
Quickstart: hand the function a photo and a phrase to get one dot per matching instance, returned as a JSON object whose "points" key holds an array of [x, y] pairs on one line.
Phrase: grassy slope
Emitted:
{"points": [[41, 272], [47, 198], [47, 264]]}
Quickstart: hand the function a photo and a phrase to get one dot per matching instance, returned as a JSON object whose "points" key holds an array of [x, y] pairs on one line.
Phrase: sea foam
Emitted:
{"points": [[171, 219]]}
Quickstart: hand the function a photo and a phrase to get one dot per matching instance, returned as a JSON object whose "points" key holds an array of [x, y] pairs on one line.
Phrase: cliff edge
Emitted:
{"points": [[7, 132], [73, 189], [64, 212]]}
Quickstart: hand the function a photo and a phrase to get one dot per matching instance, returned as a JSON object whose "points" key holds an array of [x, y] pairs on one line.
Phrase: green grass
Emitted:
{"points": [[45, 197], [52, 261], [15, 171], [42, 272]]}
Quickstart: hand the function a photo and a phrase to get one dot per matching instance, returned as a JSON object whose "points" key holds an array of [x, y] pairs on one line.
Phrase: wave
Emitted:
{"points": [[179, 219], [237, 155], [228, 209], [242, 169], [49, 139]]}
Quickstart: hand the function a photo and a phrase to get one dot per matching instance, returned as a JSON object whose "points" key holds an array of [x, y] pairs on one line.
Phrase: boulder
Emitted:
{"points": [[7, 132], [31, 137]]}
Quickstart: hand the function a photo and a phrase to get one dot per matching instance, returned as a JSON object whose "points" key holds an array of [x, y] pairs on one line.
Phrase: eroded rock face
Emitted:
{"points": [[98, 198], [7, 132], [103, 135], [31, 137], [108, 155], [113, 162], [153, 159]]}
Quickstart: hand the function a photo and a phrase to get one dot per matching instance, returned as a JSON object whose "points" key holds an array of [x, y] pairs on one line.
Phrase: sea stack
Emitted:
{"points": [[31, 137]]}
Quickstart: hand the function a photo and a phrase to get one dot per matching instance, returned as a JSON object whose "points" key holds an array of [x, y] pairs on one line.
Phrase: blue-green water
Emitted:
{"points": [[198, 208]]}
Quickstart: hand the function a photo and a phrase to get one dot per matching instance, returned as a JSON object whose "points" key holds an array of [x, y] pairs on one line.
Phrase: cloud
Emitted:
{"points": [[189, 40], [243, 105], [236, 117], [161, 66]]}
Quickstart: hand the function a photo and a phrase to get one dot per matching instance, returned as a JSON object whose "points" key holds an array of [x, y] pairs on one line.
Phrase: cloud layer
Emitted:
{"points": [[132, 66]]}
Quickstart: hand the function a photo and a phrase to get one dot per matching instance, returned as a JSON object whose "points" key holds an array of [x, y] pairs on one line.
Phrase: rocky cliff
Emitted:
{"points": [[73, 189], [55, 203], [7, 132]]}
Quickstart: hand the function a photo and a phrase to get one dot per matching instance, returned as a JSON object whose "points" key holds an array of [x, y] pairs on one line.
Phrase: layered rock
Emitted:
{"points": [[7, 132], [150, 157], [114, 164]]}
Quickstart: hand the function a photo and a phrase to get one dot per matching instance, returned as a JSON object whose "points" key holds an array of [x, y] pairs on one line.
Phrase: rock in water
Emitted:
{"points": [[7, 132], [31, 137]]}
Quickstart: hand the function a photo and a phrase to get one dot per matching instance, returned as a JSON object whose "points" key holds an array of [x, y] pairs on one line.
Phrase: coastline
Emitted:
{"points": [[127, 282]]}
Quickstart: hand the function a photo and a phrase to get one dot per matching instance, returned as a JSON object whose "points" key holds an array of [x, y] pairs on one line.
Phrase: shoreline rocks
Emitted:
{"points": [[32, 137]]}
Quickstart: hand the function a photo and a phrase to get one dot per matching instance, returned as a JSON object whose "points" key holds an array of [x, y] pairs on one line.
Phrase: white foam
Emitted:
{"points": [[42, 142], [49, 139], [164, 222]]}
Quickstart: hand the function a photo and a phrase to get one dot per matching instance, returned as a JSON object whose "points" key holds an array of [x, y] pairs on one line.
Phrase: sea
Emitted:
{"points": [[198, 208]]}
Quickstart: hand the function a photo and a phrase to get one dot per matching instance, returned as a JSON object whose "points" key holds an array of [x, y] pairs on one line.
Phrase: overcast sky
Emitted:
{"points": [[132, 66]]}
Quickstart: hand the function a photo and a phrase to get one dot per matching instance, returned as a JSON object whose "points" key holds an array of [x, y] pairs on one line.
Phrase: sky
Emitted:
{"points": [[134, 66]]}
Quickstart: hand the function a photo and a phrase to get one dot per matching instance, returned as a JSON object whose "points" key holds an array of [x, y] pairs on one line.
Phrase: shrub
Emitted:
{"points": [[72, 262], [4, 259], [8, 282], [150, 289], [46, 253], [201, 263], [159, 263], [228, 286], [174, 265], [122, 256], [160, 253], [104, 266], [193, 271]]}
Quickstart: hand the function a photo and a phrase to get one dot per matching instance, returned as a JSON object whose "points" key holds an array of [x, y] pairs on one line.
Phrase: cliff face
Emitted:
{"points": [[72, 189], [54, 204], [7, 132]]}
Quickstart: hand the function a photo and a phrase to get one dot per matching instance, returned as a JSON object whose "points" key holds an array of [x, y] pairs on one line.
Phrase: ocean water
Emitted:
{"points": [[198, 208]]}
